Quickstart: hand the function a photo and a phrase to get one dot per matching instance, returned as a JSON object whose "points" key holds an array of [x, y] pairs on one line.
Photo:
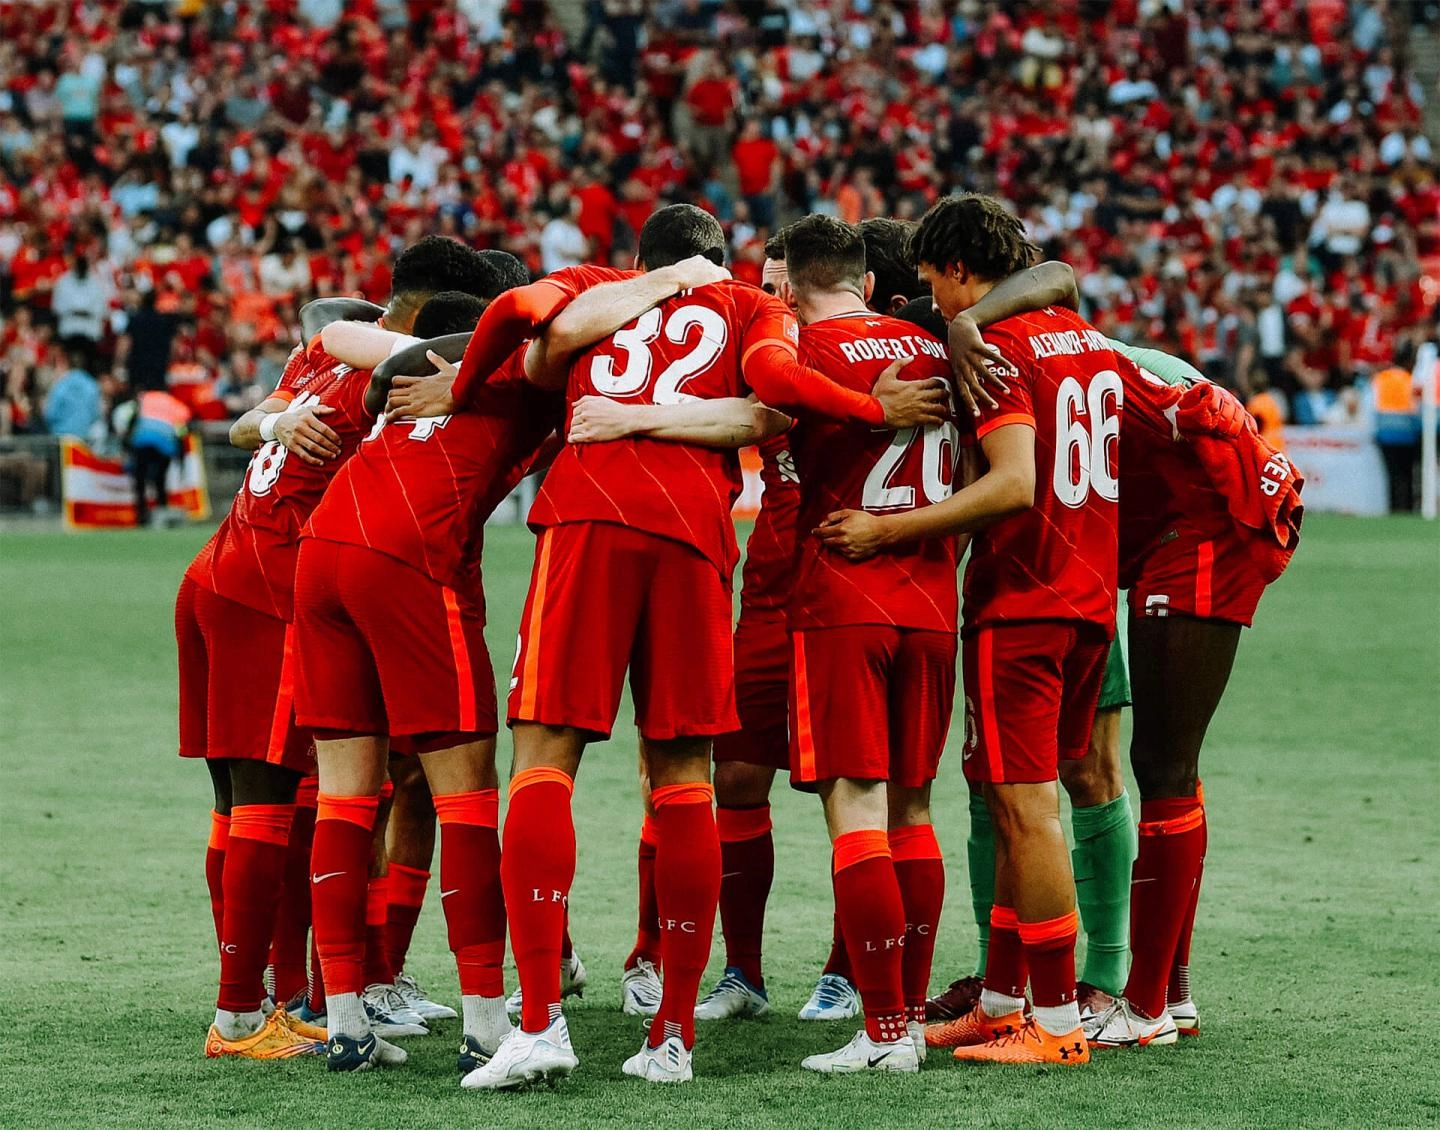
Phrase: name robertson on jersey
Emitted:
{"points": [[890, 348], [1068, 343]]}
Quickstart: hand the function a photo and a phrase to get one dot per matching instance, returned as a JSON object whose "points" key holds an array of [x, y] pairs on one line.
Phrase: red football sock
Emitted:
{"points": [[1050, 952], [1006, 969], [377, 910], [867, 899], [407, 896], [1166, 878], [647, 926], [687, 882], [254, 865], [747, 869], [340, 874], [1179, 986], [470, 888], [537, 866], [215, 869], [920, 871], [291, 942]]}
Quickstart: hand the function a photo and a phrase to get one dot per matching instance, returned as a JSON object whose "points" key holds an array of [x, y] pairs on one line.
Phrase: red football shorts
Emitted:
{"points": [[605, 597], [1030, 695], [762, 692], [1193, 574], [386, 649], [237, 680], [870, 703]]}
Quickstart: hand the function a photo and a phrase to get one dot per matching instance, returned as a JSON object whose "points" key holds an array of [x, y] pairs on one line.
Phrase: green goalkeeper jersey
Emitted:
{"points": [[1167, 367]]}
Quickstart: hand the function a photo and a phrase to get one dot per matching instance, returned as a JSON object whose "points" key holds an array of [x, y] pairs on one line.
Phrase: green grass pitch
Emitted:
{"points": [[1315, 952]]}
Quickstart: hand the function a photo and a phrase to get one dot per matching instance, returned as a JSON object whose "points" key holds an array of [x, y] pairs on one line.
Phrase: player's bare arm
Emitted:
{"points": [[417, 381], [730, 422], [362, 344], [598, 313], [316, 315], [298, 429], [783, 382], [976, 364], [1006, 488]]}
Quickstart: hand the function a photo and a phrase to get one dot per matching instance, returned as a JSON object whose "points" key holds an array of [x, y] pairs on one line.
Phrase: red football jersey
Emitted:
{"points": [[770, 553], [690, 347], [1162, 483], [1057, 560], [853, 466], [251, 558], [421, 490]]}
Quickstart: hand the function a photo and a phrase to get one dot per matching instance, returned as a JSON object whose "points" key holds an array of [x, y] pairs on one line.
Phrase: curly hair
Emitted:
{"points": [[823, 253], [974, 232], [507, 270], [886, 257], [449, 312], [437, 263]]}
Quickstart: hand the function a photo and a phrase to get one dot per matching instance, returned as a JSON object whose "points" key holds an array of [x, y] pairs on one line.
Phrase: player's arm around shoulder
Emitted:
{"points": [[418, 380], [727, 422]]}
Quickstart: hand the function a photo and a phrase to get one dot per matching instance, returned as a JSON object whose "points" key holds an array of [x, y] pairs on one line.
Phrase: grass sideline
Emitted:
{"points": [[1318, 920]]}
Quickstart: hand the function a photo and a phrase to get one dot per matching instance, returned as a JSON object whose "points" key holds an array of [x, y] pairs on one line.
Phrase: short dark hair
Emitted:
{"points": [[449, 312], [975, 232], [921, 312], [438, 263], [823, 253], [677, 232], [509, 271], [886, 256], [775, 245]]}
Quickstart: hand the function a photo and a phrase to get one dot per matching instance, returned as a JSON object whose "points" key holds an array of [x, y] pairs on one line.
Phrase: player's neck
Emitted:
{"points": [[830, 304]]}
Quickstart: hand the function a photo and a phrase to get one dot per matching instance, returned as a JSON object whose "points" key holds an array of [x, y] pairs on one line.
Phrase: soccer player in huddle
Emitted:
{"points": [[1040, 591], [647, 523], [233, 624], [873, 646]]}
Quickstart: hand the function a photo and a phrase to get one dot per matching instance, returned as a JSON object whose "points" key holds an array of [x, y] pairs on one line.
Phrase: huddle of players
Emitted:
{"points": [[373, 623]]}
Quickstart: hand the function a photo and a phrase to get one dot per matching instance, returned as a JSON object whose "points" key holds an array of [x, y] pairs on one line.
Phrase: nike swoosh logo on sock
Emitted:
{"points": [[447, 894], [321, 878]]}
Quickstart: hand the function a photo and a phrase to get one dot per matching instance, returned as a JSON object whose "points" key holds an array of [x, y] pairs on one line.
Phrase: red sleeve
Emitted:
{"points": [[1015, 406], [503, 328], [771, 369]]}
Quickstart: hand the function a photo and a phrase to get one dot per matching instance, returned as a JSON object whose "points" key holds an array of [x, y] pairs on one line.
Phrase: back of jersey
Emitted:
{"points": [[854, 466], [690, 347], [1057, 560]]}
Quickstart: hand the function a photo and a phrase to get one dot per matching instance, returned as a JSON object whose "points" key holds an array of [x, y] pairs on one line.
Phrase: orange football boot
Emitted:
{"points": [[275, 1040], [1032, 1045], [975, 1027], [302, 1028]]}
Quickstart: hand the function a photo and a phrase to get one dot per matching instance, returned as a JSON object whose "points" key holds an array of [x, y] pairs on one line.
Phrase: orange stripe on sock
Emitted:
{"points": [[407, 885], [387, 790], [377, 900], [307, 791], [1199, 793], [219, 832], [544, 775], [738, 824], [284, 702], [268, 823], [464, 675], [530, 683], [804, 734], [915, 841], [851, 848], [361, 810], [480, 808], [649, 834], [1204, 573], [1187, 823], [687, 792], [1051, 930], [986, 644], [1004, 918]]}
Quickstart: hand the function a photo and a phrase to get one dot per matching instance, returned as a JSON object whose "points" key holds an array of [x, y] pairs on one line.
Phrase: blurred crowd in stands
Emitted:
{"points": [[1246, 183]]}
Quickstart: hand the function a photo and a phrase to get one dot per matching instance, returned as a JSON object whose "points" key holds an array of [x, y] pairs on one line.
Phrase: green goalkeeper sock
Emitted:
{"points": [[1106, 841], [980, 849]]}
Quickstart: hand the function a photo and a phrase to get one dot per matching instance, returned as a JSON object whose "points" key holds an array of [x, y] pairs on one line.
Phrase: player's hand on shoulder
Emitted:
{"points": [[910, 404], [975, 364], [412, 397], [853, 534], [598, 419], [302, 431], [698, 271]]}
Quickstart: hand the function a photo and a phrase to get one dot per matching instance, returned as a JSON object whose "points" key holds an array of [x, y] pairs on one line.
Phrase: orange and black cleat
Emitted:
{"points": [[1030, 1045], [975, 1027]]}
